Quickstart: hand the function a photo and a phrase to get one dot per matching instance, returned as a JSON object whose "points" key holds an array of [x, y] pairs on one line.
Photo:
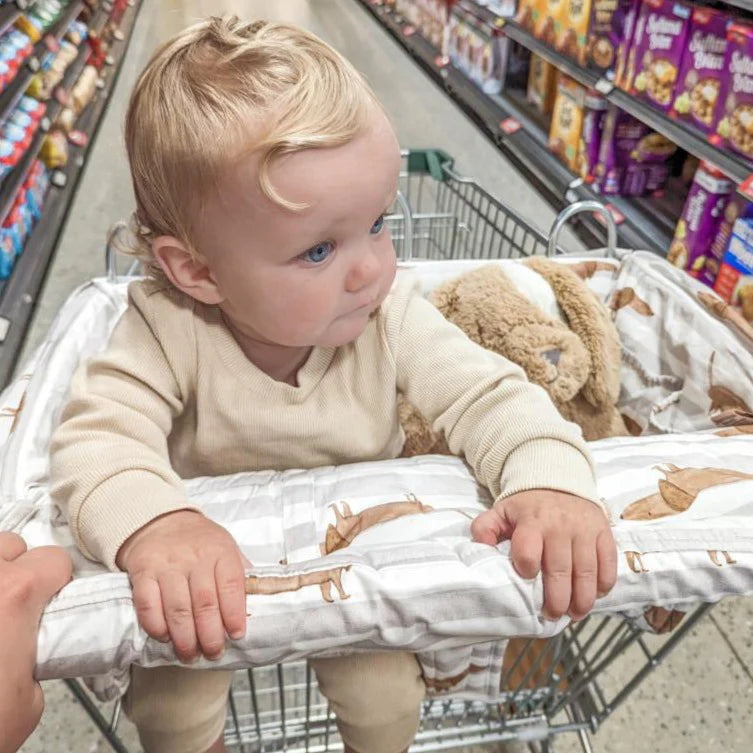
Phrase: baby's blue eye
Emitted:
{"points": [[376, 228], [317, 254]]}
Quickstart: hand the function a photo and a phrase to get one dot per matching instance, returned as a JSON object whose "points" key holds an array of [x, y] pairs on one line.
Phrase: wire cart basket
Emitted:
{"points": [[570, 683]]}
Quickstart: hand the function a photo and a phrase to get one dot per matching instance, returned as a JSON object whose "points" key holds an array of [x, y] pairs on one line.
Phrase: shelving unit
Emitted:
{"points": [[18, 294], [525, 147], [685, 137], [642, 222]]}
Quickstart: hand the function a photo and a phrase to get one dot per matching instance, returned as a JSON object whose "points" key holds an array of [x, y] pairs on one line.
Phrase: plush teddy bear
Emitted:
{"points": [[541, 315]]}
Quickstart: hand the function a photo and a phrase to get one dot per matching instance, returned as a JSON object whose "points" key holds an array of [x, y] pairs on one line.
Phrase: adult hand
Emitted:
{"points": [[566, 537], [28, 580]]}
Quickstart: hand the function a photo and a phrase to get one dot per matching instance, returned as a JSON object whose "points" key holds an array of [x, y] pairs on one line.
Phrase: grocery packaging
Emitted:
{"points": [[595, 108], [607, 27], [621, 40], [572, 39], [734, 283], [542, 84], [657, 49], [701, 72], [528, 13], [737, 207], [478, 50], [632, 158], [699, 223], [23, 215], [567, 121], [549, 24], [735, 114]]}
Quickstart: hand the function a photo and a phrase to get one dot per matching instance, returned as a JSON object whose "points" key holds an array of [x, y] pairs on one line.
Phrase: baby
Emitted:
{"points": [[272, 332]]}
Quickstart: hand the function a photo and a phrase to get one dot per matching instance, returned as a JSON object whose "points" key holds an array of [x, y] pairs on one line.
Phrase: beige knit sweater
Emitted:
{"points": [[174, 396]]}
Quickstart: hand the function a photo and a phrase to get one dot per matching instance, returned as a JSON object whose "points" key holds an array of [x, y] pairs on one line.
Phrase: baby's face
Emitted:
{"points": [[313, 276]]}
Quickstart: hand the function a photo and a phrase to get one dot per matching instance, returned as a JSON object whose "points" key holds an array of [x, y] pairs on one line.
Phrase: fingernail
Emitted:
{"points": [[601, 594], [236, 635], [216, 657], [164, 639]]}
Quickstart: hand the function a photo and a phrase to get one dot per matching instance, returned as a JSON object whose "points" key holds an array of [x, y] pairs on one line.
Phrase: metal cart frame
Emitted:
{"points": [[570, 683]]}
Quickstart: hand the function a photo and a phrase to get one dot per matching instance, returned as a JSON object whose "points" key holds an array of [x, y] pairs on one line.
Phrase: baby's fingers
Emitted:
{"points": [[206, 613], [230, 579], [147, 600], [606, 551], [176, 602], [557, 567], [585, 565], [525, 549]]}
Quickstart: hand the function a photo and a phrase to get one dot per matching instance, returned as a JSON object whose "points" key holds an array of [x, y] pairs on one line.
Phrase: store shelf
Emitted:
{"points": [[685, 137], [744, 4], [58, 29], [642, 224], [8, 14], [19, 293]]}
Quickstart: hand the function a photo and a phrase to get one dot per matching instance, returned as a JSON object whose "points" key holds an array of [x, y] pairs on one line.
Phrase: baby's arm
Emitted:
{"points": [[127, 507], [535, 463]]}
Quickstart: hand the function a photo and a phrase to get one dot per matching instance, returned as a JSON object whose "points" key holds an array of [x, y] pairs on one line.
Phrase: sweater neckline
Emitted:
{"points": [[250, 375]]}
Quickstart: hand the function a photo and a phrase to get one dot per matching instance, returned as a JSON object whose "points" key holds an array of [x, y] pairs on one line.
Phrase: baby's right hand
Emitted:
{"points": [[188, 583]]}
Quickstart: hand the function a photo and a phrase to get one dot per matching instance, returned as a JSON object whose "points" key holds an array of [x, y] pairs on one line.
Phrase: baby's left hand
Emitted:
{"points": [[565, 536]]}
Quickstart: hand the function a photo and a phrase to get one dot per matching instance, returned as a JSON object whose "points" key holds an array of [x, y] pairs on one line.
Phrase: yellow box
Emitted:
{"points": [[542, 84], [572, 39], [567, 121]]}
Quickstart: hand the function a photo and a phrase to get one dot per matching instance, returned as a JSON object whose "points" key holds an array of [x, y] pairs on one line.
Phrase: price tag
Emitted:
{"points": [[617, 216], [509, 126], [45, 124], [51, 43], [441, 61], [603, 86], [4, 327], [78, 138], [33, 64], [500, 22], [746, 187], [571, 195], [408, 30], [22, 4]]}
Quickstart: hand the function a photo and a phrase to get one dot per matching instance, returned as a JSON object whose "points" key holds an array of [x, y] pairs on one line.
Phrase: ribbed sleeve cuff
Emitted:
{"points": [[118, 507], [549, 464]]}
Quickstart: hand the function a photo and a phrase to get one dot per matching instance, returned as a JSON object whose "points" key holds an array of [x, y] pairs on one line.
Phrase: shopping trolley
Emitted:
{"points": [[570, 683]]}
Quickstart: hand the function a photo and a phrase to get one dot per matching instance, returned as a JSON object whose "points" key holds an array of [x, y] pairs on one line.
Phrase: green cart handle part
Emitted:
{"points": [[429, 161]]}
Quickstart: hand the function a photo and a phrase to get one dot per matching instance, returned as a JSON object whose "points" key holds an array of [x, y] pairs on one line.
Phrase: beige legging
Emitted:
{"points": [[376, 698]]}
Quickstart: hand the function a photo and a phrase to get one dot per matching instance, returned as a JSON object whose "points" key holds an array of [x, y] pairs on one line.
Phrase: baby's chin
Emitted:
{"points": [[348, 329]]}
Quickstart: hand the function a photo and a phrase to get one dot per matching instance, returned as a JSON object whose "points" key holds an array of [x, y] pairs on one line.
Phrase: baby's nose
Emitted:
{"points": [[364, 272]]}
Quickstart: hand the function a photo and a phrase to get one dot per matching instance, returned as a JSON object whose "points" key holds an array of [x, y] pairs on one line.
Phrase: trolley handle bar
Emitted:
{"points": [[577, 208]]}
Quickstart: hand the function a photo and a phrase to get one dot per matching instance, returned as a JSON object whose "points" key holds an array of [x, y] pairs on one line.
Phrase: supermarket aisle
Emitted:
{"points": [[707, 666], [422, 113]]}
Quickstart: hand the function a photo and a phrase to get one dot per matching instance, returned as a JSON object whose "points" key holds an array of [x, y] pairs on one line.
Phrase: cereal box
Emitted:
{"points": [[623, 33], [734, 283], [567, 121], [590, 137], [699, 223], [735, 123], [658, 45], [632, 158], [701, 72], [548, 27], [528, 13], [737, 207], [606, 29], [573, 37], [542, 84]]}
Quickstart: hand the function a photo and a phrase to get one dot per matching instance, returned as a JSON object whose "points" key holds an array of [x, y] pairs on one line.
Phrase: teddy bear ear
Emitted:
{"points": [[589, 319]]}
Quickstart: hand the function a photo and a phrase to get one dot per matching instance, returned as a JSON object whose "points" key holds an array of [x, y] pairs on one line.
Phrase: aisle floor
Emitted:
{"points": [[702, 697]]}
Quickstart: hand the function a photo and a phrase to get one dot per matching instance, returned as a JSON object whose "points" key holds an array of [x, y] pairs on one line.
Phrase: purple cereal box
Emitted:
{"points": [[632, 158], [701, 72], [699, 223], [607, 29], [621, 78], [735, 115], [737, 207], [659, 39], [590, 137]]}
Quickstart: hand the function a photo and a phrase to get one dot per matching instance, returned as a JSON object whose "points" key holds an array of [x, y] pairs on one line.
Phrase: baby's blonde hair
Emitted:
{"points": [[220, 89]]}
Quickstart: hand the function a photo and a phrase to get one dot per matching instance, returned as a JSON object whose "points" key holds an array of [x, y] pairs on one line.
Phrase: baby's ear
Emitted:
{"points": [[185, 270]]}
